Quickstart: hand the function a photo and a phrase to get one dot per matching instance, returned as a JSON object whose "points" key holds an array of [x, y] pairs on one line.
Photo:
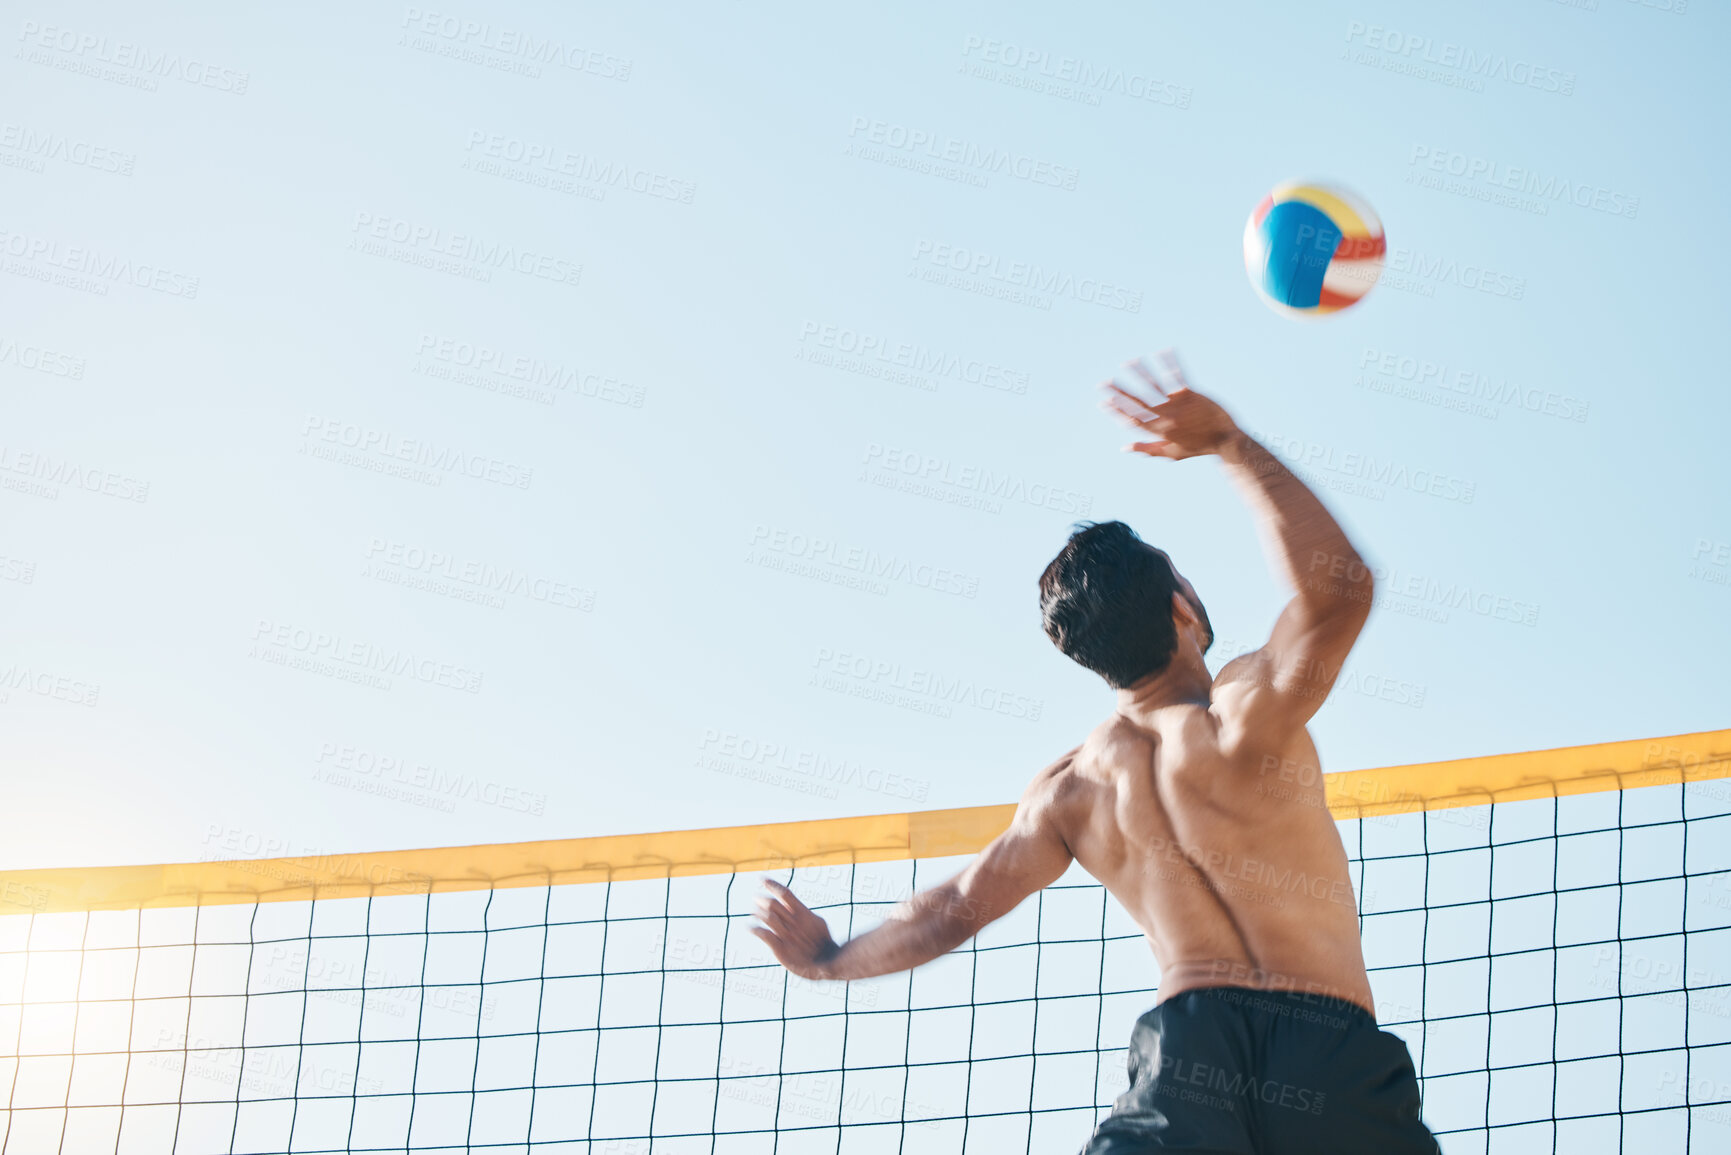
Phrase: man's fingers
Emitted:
{"points": [[783, 946], [786, 896], [784, 954], [780, 895], [778, 920], [1154, 449], [1178, 401], [1145, 371], [1127, 419], [776, 947], [1126, 405], [1169, 362], [1122, 396], [1164, 426], [773, 915]]}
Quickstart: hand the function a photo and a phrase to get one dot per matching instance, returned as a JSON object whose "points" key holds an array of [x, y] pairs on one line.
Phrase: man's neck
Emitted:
{"points": [[1184, 682]]}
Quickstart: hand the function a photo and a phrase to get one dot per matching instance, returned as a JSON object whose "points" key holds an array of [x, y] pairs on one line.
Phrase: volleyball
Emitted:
{"points": [[1312, 249]]}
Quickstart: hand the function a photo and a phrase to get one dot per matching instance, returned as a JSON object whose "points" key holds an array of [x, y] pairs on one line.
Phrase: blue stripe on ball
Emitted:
{"points": [[1300, 240]]}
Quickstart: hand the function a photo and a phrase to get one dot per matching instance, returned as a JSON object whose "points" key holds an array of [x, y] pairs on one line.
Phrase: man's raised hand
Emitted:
{"points": [[798, 937], [1187, 423]]}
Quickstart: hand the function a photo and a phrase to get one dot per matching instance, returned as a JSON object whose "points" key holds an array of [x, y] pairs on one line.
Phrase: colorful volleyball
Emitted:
{"points": [[1312, 249]]}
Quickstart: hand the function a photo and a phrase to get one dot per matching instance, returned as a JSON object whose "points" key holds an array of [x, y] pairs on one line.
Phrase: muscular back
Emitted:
{"points": [[1228, 859], [1200, 802]]}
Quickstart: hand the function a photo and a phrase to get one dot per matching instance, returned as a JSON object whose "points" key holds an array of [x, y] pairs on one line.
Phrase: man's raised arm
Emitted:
{"points": [[1277, 688], [1027, 857]]}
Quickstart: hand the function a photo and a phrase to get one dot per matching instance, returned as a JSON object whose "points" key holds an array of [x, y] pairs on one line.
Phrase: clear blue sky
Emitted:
{"points": [[276, 240]]}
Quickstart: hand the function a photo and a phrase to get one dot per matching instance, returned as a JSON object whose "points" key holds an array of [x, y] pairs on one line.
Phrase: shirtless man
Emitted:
{"points": [[1199, 804]]}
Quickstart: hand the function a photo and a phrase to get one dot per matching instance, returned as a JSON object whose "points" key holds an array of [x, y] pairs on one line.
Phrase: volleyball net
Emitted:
{"points": [[1549, 931]]}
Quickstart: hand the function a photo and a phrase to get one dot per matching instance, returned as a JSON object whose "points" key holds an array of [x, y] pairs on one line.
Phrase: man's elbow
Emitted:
{"points": [[967, 914], [1349, 603], [1337, 580], [945, 916], [1360, 593]]}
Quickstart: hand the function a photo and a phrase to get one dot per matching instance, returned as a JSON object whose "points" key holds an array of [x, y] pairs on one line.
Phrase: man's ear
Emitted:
{"points": [[1182, 611]]}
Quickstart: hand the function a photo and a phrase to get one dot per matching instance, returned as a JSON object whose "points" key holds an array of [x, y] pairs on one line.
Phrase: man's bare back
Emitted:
{"points": [[1199, 802], [1200, 805], [1233, 868]]}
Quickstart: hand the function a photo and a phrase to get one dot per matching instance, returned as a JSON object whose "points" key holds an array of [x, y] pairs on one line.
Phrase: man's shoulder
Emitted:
{"points": [[1057, 782], [1056, 773], [1082, 768], [1238, 687], [1246, 669]]}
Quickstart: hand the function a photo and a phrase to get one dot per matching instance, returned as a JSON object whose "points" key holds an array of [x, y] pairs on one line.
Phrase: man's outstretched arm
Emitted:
{"points": [[1027, 857], [1277, 688]]}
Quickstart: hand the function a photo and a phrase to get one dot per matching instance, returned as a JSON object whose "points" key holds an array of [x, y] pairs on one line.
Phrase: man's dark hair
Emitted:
{"points": [[1106, 601]]}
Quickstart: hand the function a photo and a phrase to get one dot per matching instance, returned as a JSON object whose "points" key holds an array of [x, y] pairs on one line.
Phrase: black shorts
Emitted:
{"points": [[1236, 1071]]}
